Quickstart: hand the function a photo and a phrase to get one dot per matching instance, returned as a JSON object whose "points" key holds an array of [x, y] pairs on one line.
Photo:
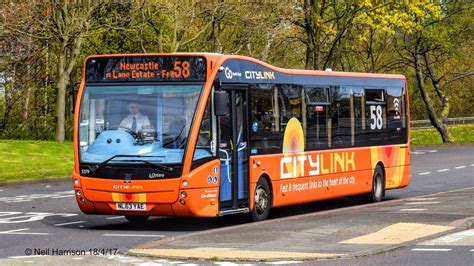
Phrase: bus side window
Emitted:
{"points": [[290, 104], [264, 120], [317, 112], [396, 128], [342, 117], [359, 115], [376, 115]]}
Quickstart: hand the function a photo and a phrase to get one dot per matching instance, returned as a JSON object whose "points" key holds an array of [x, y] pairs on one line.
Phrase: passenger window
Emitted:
{"points": [[376, 116], [264, 119], [342, 117], [317, 112], [290, 103]]}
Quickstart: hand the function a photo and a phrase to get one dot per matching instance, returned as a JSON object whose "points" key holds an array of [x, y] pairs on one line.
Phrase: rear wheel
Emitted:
{"points": [[262, 201], [378, 186], [136, 218]]}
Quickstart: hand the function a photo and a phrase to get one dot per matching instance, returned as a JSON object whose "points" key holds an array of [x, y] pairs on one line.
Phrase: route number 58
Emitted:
{"points": [[181, 68], [375, 117]]}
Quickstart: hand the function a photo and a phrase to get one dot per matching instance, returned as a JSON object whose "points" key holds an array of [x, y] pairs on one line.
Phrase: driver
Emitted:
{"points": [[135, 120]]}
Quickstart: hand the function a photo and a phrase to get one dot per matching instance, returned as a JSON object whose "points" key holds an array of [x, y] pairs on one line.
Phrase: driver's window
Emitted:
{"points": [[204, 142], [92, 120]]}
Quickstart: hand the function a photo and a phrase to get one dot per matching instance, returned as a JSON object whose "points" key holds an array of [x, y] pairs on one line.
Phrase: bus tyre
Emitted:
{"points": [[378, 186], [262, 201], [136, 218]]}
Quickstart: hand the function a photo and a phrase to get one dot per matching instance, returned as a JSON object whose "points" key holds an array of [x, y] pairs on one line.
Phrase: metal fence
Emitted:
{"points": [[451, 121]]}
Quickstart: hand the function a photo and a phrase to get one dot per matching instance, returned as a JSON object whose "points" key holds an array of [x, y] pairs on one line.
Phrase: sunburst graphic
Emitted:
{"points": [[293, 143], [129, 197]]}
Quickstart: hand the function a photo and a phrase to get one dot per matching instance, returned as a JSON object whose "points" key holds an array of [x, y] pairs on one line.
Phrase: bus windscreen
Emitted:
{"points": [[150, 121]]}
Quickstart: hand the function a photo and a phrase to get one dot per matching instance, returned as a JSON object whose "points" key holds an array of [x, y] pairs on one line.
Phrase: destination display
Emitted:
{"points": [[146, 68]]}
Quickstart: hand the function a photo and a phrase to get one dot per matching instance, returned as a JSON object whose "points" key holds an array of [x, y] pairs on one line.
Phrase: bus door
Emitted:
{"points": [[233, 152]]}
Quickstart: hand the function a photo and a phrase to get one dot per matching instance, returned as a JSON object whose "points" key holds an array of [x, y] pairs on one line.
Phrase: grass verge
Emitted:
{"points": [[29, 159], [429, 136]]}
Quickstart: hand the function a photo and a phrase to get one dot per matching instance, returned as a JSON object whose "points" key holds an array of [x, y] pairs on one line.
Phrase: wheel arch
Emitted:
{"points": [[270, 185]]}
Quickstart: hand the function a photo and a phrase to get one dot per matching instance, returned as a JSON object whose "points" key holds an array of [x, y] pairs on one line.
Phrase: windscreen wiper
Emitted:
{"points": [[154, 165], [177, 137]]}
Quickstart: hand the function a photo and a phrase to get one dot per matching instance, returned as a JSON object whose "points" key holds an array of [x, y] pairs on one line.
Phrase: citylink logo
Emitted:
{"points": [[229, 74], [259, 75]]}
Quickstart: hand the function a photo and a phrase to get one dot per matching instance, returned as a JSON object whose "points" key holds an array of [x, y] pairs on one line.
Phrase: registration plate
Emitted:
{"points": [[129, 206]]}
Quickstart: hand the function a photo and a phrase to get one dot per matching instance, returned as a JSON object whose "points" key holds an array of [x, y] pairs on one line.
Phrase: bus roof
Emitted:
{"points": [[219, 59]]}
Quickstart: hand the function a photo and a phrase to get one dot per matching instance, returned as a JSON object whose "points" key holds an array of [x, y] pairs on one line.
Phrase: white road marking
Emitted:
{"points": [[284, 262], [418, 152], [422, 202], [451, 238], [472, 250], [28, 261], [48, 186], [8, 213], [76, 222], [16, 230], [412, 210], [430, 249], [424, 173], [133, 235], [20, 232], [1, 190], [33, 217], [443, 170], [421, 199], [115, 217], [63, 196], [54, 195], [123, 259], [472, 164], [460, 167], [225, 263]]}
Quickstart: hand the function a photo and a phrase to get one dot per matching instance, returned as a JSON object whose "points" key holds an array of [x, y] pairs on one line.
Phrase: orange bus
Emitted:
{"points": [[205, 135]]}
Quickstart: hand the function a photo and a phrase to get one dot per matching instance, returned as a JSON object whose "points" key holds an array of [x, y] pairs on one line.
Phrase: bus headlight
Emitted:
{"points": [[78, 192], [183, 194], [185, 183], [76, 182]]}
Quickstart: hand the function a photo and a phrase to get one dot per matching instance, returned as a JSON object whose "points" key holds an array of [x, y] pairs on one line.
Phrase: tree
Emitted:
{"points": [[326, 24], [429, 46], [63, 24]]}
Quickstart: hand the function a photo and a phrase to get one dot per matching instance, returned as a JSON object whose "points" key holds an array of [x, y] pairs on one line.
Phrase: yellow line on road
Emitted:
{"points": [[398, 233], [228, 253]]}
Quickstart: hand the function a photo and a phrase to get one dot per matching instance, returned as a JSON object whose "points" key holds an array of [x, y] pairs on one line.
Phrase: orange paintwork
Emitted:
{"points": [[342, 172]]}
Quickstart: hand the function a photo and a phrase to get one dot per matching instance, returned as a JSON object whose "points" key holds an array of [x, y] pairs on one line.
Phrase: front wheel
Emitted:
{"points": [[262, 201], [136, 218], [378, 186]]}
